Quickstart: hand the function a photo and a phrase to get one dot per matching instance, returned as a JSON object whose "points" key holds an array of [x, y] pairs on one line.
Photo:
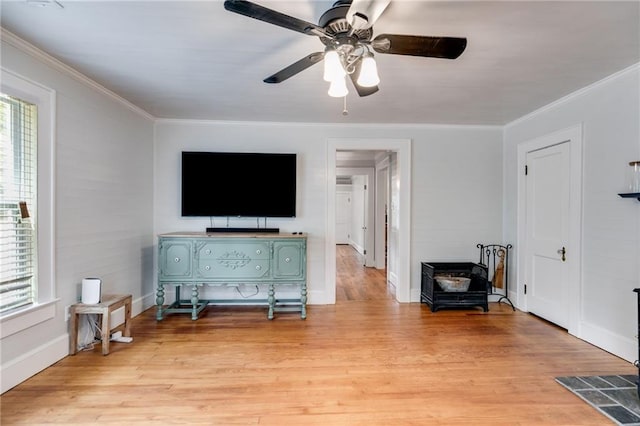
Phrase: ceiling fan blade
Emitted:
{"points": [[434, 47], [270, 16], [362, 91], [366, 12], [295, 68]]}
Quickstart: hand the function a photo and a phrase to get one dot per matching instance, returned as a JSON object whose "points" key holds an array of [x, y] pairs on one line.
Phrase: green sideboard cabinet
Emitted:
{"points": [[196, 259]]}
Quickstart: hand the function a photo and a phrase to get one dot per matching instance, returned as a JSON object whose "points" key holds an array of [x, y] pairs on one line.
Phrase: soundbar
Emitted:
{"points": [[248, 230]]}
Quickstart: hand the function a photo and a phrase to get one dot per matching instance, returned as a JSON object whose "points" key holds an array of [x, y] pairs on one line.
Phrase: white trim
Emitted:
{"points": [[622, 346], [22, 319], [571, 96], [20, 369], [330, 239], [45, 99], [572, 135], [382, 189], [39, 54], [403, 149], [364, 125], [143, 303]]}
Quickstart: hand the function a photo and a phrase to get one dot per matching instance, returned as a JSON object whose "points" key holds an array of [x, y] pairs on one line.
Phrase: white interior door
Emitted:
{"points": [[343, 217], [547, 260]]}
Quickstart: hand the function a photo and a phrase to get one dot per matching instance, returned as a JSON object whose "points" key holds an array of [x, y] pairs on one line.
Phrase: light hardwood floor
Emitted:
{"points": [[354, 282], [366, 360]]}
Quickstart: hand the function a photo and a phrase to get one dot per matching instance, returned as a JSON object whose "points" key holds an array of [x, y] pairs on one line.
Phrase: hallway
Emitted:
{"points": [[355, 282]]}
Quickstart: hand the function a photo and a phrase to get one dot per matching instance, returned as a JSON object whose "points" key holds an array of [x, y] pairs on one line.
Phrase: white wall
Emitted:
{"points": [[456, 195], [343, 213], [609, 113], [457, 175], [103, 197]]}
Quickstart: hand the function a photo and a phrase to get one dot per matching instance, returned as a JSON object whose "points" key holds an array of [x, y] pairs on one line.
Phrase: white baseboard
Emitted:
{"points": [[393, 279], [17, 370], [415, 294], [623, 347], [143, 303], [356, 247], [20, 369]]}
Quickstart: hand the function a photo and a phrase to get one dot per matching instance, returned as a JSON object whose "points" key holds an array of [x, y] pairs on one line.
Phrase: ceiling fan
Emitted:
{"points": [[346, 29]]}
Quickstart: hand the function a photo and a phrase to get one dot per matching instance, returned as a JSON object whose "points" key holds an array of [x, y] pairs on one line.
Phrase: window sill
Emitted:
{"points": [[21, 320]]}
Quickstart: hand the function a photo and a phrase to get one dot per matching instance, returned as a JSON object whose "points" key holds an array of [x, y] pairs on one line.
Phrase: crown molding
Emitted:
{"points": [[430, 126], [39, 54], [633, 68]]}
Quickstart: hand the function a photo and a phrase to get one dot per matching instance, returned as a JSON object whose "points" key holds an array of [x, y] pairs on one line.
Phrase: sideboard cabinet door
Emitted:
{"points": [[289, 259], [175, 259]]}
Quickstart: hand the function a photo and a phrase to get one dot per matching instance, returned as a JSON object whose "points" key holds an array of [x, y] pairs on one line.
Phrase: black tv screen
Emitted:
{"points": [[238, 184]]}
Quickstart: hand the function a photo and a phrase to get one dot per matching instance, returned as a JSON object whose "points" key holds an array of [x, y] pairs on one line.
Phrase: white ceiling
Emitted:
{"points": [[195, 60]]}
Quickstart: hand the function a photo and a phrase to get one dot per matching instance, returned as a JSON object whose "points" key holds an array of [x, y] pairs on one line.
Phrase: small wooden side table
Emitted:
{"points": [[109, 304]]}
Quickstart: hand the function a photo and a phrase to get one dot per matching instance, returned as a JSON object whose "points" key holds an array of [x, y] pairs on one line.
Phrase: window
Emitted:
{"points": [[18, 173], [27, 283]]}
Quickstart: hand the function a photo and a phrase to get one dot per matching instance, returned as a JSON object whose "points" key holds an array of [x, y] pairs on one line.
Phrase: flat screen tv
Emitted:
{"points": [[238, 184]]}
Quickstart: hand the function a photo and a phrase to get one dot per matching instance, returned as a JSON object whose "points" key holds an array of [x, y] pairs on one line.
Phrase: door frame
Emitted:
{"points": [[403, 149], [572, 136], [381, 200]]}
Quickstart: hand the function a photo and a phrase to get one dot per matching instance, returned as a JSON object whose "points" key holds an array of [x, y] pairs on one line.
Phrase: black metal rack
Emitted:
{"points": [[496, 258]]}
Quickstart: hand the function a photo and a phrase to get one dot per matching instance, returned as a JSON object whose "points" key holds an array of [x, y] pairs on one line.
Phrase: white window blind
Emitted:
{"points": [[18, 178]]}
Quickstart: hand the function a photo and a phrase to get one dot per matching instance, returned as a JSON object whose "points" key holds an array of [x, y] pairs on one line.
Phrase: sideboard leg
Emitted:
{"points": [[303, 300], [194, 302], [272, 301], [159, 301]]}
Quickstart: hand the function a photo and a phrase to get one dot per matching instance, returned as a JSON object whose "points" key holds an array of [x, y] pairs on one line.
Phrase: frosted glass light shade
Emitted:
{"points": [[338, 88], [332, 66], [368, 72]]}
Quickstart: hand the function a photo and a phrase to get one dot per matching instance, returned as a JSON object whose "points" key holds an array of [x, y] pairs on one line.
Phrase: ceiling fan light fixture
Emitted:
{"points": [[333, 69], [338, 88], [346, 31], [368, 72]]}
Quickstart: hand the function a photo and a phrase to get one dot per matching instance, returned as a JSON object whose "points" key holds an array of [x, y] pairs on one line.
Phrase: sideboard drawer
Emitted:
{"points": [[232, 269], [232, 260], [232, 250]]}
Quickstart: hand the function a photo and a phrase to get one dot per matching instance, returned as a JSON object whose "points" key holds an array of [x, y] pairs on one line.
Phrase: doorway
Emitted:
{"points": [[549, 227], [402, 150]]}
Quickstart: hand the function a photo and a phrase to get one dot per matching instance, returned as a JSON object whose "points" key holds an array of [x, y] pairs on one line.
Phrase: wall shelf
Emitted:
{"points": [[630, 195]]}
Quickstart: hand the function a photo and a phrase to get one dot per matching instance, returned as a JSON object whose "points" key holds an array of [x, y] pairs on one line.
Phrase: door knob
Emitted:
{"points": [[563, 252]]}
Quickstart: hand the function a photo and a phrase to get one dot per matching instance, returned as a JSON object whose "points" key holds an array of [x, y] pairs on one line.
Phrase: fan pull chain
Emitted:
{"points": [[344, 110]]}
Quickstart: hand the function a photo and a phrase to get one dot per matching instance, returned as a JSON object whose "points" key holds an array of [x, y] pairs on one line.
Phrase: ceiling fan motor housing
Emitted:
{"points": [[335, 23]]}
